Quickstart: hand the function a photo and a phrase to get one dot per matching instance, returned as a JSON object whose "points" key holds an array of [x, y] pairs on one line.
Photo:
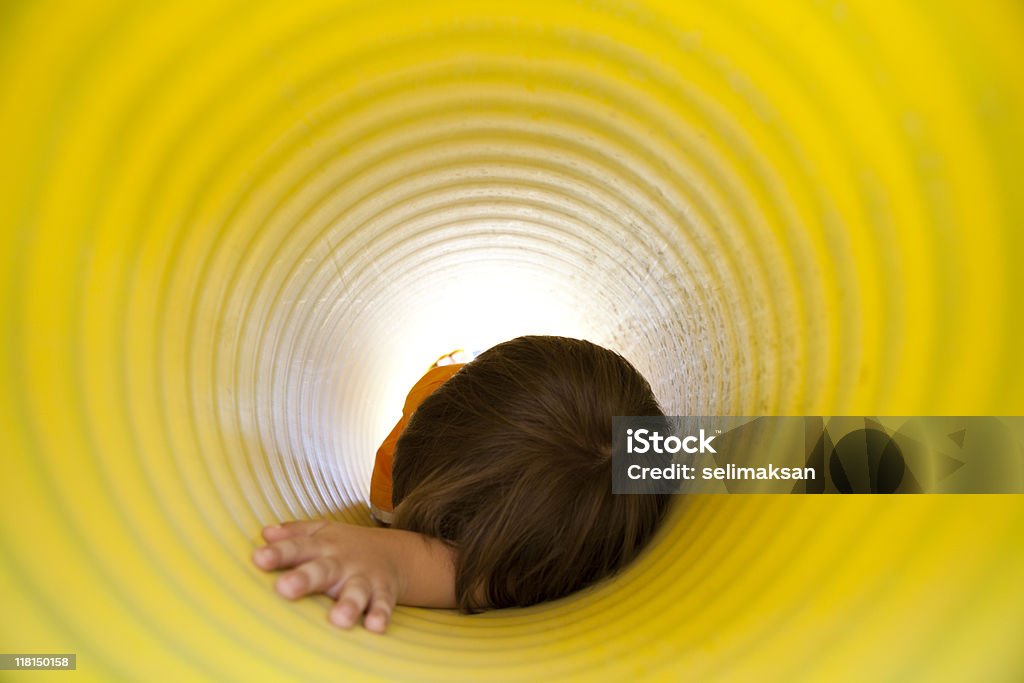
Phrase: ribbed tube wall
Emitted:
{"points": [[233, 234]]}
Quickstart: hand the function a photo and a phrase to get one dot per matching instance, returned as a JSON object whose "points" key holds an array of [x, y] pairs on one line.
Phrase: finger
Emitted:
{"points": [[286, 553], [382, 603], [279, 532], [316, 576], [352, 600]]}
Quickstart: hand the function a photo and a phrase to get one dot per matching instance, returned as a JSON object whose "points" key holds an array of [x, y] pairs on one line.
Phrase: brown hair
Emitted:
{"points": [[510, 462]]}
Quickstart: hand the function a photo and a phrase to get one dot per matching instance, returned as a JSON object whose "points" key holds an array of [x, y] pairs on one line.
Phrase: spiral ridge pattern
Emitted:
{"points": [[236, 232]]}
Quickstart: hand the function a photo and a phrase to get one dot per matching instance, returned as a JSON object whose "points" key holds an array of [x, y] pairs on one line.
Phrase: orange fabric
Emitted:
{"points": [[380, 482]]}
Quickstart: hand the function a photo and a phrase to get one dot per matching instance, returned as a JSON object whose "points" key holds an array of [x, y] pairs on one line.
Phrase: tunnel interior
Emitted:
{"points": [[236, 234]]}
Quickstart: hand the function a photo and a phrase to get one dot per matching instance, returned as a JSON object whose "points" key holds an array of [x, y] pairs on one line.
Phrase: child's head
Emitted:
{"points": [[510, 461]]}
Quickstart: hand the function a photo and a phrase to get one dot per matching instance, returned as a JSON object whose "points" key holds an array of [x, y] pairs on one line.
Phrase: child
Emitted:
{"points": [[500, 493]]}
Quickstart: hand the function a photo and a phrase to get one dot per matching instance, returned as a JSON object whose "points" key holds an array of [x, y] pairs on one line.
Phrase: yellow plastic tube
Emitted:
{"points": [[233, 233]]}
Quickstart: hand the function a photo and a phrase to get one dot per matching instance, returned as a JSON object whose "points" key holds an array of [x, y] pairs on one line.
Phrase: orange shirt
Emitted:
{"points": [[380, 482]]}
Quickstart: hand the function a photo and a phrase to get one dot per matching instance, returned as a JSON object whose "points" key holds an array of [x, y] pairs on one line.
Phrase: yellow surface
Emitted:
{"points": [[231, 235]]}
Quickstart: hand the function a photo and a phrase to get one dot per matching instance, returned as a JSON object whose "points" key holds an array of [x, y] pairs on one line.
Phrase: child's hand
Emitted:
{"points": [[354, 565]]}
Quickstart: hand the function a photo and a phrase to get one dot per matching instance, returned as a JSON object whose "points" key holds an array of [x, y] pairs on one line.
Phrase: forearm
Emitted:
{"points": [[427, 568], [364, 569]]}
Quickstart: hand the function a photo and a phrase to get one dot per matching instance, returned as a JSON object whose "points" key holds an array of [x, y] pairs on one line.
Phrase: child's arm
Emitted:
{"points": [[364, 569]]}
